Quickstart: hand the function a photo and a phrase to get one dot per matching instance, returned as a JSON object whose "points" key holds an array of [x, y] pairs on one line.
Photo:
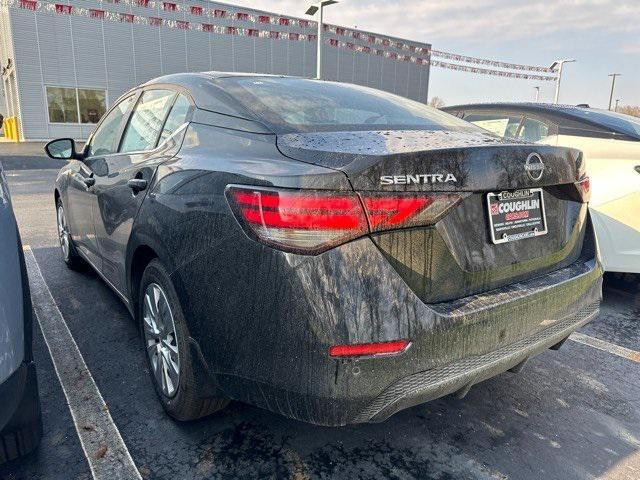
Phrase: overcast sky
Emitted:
{"points": [[603, 35]]}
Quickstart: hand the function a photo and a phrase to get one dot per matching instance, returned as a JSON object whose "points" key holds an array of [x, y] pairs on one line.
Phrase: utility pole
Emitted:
{"points": [[537, 94], [613, 85], [319, 7], [557, 65]]}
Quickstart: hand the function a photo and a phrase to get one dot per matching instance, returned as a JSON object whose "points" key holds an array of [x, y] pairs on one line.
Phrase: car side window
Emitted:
{"points": [[143, 130], [105, 139], [533, 130], [502, 124], [177, 117]]}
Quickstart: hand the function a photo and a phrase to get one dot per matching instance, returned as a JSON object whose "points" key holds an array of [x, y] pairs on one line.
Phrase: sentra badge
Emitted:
{"points": [[419, 179]]}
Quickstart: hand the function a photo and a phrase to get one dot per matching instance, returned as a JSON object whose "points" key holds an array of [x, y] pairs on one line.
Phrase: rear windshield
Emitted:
{"points": [[614, 121], [301, 105]]}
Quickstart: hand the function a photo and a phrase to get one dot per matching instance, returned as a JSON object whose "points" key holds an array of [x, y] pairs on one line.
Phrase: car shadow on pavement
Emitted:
{"points": [[569, 414]]}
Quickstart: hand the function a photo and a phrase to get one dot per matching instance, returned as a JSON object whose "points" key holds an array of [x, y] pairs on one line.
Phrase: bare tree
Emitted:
{"points": [[630, 110], [436, 102]]}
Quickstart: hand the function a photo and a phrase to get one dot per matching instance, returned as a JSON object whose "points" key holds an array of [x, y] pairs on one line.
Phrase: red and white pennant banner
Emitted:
{"points": [[375, 40], [486, 71], [100, 14], [491, 63], [376, 51]]}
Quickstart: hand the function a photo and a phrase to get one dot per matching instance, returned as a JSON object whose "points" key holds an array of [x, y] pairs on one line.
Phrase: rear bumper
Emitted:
{"points": [[264, 322], [453, 344], [458, 377], [20, 416]]}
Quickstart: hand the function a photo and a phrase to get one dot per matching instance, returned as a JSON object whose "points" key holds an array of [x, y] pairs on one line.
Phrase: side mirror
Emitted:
{"points": [[62, 149]]}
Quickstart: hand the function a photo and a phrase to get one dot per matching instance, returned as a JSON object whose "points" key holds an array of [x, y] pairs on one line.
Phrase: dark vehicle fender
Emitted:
{"points": [[61, 185], [143, 247]]}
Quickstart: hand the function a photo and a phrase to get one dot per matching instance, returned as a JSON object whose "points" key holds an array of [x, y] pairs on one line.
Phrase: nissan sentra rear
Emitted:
{"points": [[336, 254]]}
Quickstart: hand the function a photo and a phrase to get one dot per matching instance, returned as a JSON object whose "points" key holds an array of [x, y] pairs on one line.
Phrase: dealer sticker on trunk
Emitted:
{"points": [[516, 215]]}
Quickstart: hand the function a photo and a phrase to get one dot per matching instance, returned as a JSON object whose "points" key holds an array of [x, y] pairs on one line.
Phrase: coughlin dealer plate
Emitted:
{"points": [[515, 215]]}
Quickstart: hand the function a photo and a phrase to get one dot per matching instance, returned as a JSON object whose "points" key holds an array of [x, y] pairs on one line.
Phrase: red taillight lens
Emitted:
{"points": [[388, 211], [300, 221], [312, 221], [367, 349], [584, 189]]}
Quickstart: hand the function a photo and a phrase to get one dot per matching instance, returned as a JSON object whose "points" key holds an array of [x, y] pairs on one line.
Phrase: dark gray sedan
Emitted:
{"points": [[327, 251], [20, 423]]}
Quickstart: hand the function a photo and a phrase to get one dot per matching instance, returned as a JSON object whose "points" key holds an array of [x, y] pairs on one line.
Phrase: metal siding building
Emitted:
{"points": [[102, 48]]}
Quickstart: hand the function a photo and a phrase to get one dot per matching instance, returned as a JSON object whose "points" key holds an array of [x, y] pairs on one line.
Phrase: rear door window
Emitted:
{"points": [[144, 127], [177, 117], [502, 124]]}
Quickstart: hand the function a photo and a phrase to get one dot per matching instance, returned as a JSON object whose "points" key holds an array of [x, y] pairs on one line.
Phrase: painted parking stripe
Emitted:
{"points": [[606, 346], [106, 452]]}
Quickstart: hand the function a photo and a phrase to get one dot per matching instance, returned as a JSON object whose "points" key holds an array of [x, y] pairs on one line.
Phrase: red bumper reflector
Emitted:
{"points": [[365, 349]]}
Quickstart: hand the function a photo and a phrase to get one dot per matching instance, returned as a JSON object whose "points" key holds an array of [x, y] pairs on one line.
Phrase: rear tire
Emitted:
{"points": [[67, 248], [165, 338]]}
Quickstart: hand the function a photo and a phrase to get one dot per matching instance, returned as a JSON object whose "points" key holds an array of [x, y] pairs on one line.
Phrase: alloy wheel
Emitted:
{"points": [[160, 339], [63, 233]]}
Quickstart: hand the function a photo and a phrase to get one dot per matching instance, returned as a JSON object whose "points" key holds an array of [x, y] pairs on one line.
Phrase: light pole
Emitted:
{"points": [[319, 7], [558, 65], [613, 85], [537, 94]]}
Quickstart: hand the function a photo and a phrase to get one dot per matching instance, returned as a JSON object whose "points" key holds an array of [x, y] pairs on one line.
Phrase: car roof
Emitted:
{"points": [[192, 79], [578, 114], [212, 98], [525, 106]]}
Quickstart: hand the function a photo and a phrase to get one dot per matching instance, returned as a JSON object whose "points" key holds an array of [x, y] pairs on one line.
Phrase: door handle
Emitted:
{"points": [[137, 184]]}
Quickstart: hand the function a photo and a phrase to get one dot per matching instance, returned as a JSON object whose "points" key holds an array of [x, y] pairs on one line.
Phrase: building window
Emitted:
{"points": [[71, 105], [63, 105], [92, 103]]}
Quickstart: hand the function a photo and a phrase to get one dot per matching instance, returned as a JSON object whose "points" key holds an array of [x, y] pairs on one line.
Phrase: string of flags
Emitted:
{"points": [[200, 18], [486, 71], [492, 63]]}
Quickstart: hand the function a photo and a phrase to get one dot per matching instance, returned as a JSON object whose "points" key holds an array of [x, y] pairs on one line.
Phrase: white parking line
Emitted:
{"points": [[606, 346], [107, 455]]}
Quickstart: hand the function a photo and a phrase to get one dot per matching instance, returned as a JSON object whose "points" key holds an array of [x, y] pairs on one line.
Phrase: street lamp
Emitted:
{"points": [[558, 65], [319, 7], [613, 84]]}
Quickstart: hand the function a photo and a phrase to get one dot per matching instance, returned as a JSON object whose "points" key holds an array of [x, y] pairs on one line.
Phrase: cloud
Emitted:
{"points": [[633, 48], [491, 21]]}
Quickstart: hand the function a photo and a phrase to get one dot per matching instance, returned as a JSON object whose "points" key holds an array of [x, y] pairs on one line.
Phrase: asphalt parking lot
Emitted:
{"points": [[571, 414]]}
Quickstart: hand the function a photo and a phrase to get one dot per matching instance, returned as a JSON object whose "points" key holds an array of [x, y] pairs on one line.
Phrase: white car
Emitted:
{"points": [[610, 143]]}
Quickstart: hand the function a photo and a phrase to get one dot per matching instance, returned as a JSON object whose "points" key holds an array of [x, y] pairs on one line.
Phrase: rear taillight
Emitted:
{"points": [[302, 221], [313, 221], [401, 210], [584, 189]]}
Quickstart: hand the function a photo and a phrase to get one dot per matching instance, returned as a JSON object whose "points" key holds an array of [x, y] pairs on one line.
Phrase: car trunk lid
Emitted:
{"points": [[433, 160], [458, 256]]}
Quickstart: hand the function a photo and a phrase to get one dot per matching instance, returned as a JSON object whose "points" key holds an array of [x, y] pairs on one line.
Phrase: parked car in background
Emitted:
{"points": [[610, 143], [324, 250], [20, 421]]}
